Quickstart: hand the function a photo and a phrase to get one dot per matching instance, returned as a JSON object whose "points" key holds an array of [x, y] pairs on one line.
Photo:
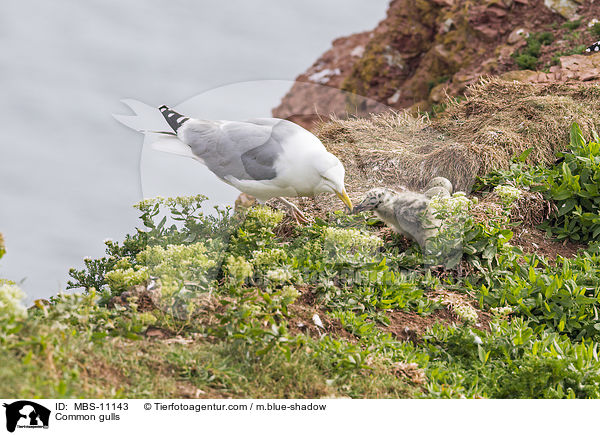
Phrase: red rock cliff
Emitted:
{"points": [[424, 50]]}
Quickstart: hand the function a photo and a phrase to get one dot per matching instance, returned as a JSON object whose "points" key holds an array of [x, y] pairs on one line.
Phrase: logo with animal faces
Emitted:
{"points": [[25, 414]]}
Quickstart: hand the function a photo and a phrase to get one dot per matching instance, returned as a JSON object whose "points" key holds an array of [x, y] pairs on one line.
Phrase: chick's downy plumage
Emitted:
{"points": [[405, 212]]}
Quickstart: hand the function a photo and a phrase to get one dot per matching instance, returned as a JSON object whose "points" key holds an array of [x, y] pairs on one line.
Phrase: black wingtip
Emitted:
{"points": [[174, 119], [594, 48]]}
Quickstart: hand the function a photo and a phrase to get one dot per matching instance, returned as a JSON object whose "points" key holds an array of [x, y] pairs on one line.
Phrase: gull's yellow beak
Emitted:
{"points": [[344, 197]]}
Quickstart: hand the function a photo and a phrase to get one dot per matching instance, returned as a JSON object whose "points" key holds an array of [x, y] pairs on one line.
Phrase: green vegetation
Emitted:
{"points": [[436, 81], [527, 57], [571, 25], [193, 305], [572, 185]]}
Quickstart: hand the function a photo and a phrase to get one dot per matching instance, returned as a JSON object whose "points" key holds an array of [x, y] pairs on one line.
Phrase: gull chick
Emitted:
{"points": [[406, 212], [264, 157], [436, 191]]}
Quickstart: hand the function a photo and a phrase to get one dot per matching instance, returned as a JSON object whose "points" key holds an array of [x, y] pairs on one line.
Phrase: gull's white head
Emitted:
{"points": [[332, 175]]}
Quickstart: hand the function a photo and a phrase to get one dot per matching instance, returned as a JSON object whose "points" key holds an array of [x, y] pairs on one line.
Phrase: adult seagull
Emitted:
{"points": [[264, 157]]}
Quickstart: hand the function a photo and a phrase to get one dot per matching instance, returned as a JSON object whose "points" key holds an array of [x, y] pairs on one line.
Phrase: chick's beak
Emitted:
{"points": [[360, 207], [345, 199]]}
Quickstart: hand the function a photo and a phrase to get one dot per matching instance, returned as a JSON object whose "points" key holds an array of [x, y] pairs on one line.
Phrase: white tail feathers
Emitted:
{"points": [[146, 118], [149, 120], [172, 145]]}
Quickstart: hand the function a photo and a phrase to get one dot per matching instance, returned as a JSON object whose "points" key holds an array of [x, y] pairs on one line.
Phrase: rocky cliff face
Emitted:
{"points": [[424, 51]]}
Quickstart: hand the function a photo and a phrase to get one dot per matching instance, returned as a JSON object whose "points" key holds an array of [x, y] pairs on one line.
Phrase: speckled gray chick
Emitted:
{"points": [[406, 212], [437, 191]]}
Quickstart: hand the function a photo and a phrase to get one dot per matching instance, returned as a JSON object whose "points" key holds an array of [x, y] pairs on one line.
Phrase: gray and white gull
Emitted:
{"points": [[264, 157]]}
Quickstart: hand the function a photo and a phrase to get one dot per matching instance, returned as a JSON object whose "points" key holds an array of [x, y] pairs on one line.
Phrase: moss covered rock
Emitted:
{"points": [[421, 44]]}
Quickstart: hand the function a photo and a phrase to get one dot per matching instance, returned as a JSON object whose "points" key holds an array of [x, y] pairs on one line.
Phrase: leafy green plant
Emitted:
{"points": [[519, 174], [527, 57], [574, 187], [256, 232], [545, 38], [512, 361], [562, 298], [571, 25], [120, 280], [244, 319], [526, 61], [194, 264], [12, 310], [188, 221], [449, 216], [188, 225], [438, 80]]}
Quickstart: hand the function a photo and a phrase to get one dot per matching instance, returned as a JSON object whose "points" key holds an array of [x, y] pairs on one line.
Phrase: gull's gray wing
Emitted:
{"points": [[245, 150]]}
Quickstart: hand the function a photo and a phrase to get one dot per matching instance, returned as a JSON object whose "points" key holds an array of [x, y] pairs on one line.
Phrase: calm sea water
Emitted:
{"points": [[69, 172]]}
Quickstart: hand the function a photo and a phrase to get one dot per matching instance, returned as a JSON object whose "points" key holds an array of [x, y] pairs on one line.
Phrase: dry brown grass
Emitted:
{"points": [[497, 121], [395, 149], [530, 209], [500, 119]]}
